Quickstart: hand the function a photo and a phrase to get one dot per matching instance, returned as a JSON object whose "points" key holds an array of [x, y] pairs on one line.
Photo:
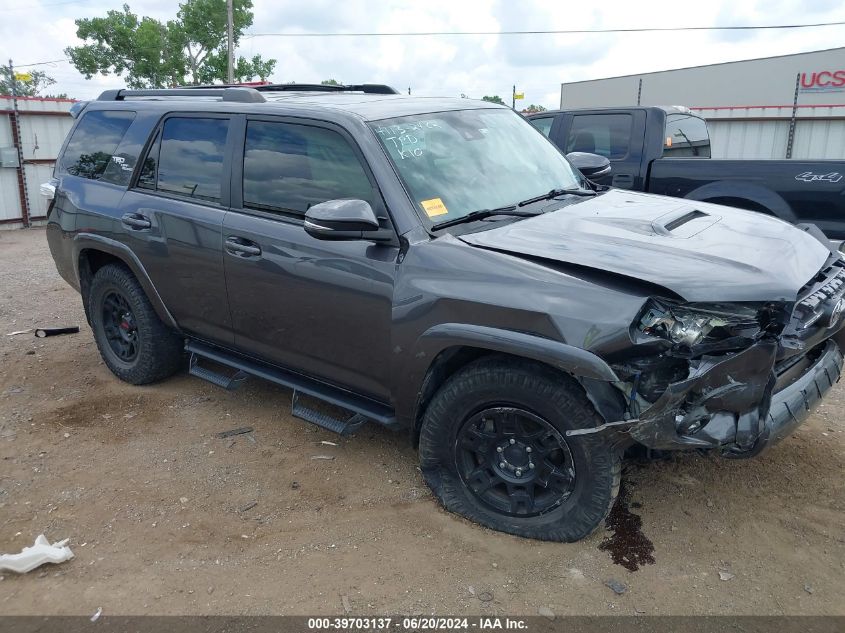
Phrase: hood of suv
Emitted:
{"points": [[700, 251]]}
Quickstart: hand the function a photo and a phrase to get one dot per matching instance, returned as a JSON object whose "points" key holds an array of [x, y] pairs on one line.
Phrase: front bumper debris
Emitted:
{"points": [[791, 405], [734, 404]]}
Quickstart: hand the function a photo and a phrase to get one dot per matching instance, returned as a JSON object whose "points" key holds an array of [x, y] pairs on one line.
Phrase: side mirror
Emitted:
{"points": [[592, 166], [342, 220]]}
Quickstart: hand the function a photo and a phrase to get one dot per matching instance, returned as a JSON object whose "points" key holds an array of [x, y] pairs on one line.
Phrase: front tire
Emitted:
{"points": [[133, 342], [493, 449]]}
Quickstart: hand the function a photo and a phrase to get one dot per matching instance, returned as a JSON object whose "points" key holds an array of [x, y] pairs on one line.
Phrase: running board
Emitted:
{"points": [[230, 383], [335, 425], [367, 408]]}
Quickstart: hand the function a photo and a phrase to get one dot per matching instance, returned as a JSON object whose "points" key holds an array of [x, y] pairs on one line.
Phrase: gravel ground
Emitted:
{"points": [[165, 518]]}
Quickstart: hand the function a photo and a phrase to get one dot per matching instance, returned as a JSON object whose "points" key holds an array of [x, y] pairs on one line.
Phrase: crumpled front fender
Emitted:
{"points": [[723, 401]]}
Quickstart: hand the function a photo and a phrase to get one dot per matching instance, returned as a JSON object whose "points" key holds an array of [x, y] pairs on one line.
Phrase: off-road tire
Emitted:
{"points": [[553, 396], [159, 349]]}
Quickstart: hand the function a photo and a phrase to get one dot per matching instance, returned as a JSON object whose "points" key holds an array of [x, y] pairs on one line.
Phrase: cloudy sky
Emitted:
{"points": [[454, 65]]}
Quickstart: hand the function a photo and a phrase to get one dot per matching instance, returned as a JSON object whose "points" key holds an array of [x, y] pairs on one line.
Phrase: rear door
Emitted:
{"points": [[616, 135], [173, 217], [320, 307]]}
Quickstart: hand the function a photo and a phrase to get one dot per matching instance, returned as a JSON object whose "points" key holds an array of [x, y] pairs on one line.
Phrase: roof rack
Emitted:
{"points": [[375, 89], [238, 94]]}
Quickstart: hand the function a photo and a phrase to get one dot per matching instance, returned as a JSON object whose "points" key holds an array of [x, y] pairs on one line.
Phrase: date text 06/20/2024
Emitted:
{"points": [[416, 624]]}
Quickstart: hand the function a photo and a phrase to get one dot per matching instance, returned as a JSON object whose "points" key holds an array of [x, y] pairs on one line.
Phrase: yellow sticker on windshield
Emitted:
{"points": [[434, 207]]}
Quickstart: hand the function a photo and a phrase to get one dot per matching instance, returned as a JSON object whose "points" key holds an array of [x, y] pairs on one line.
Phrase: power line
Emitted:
{"points": [[52, 61], [556, 32]]}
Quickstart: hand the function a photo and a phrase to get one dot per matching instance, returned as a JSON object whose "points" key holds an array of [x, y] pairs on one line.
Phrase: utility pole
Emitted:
{"points": [[231, 43], [513, 98]]}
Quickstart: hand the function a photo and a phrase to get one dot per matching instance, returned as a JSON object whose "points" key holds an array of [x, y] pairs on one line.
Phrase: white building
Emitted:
{"points": [[790, 106], [31, 136]]}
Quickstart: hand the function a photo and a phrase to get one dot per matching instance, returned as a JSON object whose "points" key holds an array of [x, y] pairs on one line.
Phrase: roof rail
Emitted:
{"points": [[373, 89], [376, 89], [225, 93]]}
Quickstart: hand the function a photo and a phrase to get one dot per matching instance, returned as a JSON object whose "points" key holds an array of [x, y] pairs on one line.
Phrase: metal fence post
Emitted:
{"points": [[14, 122], [791, 138]]}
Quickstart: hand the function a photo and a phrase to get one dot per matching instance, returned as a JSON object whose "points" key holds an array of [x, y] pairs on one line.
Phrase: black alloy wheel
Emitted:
{"points": [[514, 461], [120, 327]]}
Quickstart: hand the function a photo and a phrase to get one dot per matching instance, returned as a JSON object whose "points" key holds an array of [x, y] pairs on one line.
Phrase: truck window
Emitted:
{"points": [[606, 134], [544, 124], [686, 135], [89, 150], [289, 168], [187, 158]]}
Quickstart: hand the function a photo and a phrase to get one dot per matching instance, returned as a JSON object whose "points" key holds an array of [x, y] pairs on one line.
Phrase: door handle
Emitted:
{"points": [[242, 247], [136, 221]]}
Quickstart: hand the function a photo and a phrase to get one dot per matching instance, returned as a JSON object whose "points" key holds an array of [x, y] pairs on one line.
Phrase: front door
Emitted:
{"points": [[319, 307], [615, 135]]}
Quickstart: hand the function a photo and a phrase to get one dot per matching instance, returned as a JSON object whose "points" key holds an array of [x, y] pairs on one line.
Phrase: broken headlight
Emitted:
{"points": [[688, 325]]}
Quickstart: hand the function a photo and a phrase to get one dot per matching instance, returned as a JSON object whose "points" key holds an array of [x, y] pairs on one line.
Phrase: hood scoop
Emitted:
{"points": [[683, 222]]}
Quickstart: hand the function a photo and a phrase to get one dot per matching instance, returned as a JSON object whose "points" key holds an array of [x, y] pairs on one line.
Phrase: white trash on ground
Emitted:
{"points": [[31, 557]]}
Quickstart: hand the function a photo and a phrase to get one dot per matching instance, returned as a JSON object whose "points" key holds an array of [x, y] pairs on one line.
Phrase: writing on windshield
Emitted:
{"points": [[468, 160]]}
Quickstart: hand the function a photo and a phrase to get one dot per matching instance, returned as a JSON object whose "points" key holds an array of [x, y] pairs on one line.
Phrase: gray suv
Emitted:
{"points": [[437, 266]]}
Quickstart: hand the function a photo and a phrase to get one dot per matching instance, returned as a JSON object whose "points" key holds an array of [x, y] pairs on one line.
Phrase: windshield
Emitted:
{"points": [[454, 163]]}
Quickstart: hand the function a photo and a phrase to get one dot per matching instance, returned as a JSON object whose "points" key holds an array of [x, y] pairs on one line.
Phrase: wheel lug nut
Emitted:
{"points": [[527, 449], [513, 441], [518, 473], [531, 465], [501, 464], [499, 449]]}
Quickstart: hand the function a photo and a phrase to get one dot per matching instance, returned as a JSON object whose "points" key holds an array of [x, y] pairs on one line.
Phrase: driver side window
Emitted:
{"points": [[288, 168]]}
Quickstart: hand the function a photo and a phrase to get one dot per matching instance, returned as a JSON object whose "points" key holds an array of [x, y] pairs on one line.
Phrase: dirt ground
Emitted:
{"points": [[158, 512]]}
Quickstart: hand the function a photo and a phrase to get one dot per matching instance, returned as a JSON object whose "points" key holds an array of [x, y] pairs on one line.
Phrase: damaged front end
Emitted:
{"points": [[732, 377]]}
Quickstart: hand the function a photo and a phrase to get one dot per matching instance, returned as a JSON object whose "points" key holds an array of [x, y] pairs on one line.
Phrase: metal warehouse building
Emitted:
{"points": [[32, 130], [791, 106]]}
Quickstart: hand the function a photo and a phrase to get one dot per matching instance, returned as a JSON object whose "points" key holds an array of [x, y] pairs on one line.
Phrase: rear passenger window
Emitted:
{"points": [[543, 124], [605, 134], [94, 141], [289, 168], [686, 135], [187, 158]]}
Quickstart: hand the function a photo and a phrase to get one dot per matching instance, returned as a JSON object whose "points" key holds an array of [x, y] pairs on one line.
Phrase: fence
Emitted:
{"points": [[31, 136]]}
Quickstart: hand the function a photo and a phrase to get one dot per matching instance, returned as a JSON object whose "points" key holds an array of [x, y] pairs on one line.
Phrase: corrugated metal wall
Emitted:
{"points": [[43, 125], [10, 205], [763, 132]]}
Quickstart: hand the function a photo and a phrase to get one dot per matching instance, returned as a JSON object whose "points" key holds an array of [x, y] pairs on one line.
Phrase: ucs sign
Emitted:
{"points": [[823, 81]]}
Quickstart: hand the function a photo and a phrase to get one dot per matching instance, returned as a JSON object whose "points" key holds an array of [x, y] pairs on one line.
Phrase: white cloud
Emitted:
{"points": [[451, 65]]}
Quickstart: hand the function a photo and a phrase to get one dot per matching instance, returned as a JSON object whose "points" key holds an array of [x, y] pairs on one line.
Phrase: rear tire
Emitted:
{"points": [[493, 449], [133, 342]]}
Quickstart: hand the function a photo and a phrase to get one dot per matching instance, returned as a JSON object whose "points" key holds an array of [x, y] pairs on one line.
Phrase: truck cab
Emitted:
{"points": [[666, 150]]}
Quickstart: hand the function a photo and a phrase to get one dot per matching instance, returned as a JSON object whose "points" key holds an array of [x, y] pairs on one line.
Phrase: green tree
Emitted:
{"points": [[152, 54], [493, 99], [26, 83], [534, 108], [330, 82]]}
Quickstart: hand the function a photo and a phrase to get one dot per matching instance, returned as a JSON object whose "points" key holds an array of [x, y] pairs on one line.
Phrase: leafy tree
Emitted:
{"points": [[532, 109], [493, 99], [154, 54], [330, 82], [31, 87]]}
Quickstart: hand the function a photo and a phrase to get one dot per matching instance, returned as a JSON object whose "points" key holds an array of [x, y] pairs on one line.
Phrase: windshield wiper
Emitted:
{"points": [[484, 213], [554, 193]]}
